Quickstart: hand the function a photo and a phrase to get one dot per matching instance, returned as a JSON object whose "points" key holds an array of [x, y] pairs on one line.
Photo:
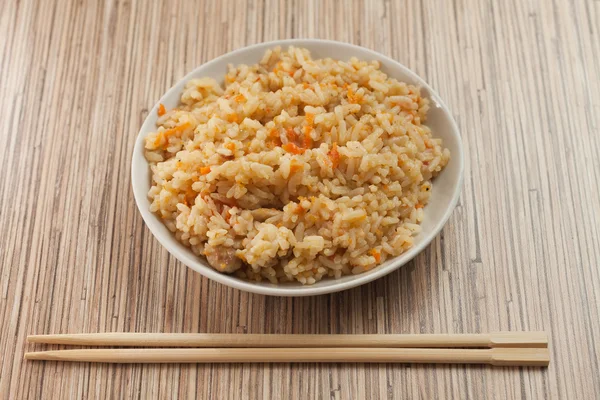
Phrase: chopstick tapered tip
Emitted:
{"points": [[33, 338], [48, 339], [50, 355]]}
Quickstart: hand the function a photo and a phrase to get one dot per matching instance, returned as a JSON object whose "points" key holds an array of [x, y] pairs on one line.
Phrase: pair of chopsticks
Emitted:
{"points": [[501, 349]]}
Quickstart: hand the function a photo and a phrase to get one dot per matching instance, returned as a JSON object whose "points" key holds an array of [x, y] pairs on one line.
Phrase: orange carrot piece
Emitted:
{"points": [[376, 254], [352, 97], [334, 156], [161, 110], [291, 134], [310, 118], [292, 148], [229, 146], [295, 167], [307, 139]]}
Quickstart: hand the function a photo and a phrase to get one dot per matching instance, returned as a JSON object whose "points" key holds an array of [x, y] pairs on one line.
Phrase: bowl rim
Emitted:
{"points": [[191, 261]]}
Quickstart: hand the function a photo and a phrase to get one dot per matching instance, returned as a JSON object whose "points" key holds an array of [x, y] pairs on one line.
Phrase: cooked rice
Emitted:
{"points": [[298, 169]]}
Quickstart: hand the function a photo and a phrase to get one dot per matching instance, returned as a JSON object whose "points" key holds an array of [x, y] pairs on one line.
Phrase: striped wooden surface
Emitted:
{"points": [[521, 250]]}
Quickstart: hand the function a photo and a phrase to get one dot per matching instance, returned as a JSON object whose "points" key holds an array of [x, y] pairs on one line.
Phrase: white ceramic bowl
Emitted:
{"points": [[445, 192]]}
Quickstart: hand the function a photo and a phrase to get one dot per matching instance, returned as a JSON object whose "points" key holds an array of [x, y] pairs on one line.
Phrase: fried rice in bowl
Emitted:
{"points": [[297, 167]]}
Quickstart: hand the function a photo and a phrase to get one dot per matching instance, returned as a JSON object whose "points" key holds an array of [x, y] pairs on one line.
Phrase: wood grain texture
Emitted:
{"points": [[520, 251]]}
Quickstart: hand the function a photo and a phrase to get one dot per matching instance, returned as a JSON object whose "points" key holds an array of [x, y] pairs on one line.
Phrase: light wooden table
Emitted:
{"points": [[520, 252]]}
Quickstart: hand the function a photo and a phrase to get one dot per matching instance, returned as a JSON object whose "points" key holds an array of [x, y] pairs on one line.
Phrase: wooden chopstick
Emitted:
{"points": [[533, 357], [480, 340]]}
